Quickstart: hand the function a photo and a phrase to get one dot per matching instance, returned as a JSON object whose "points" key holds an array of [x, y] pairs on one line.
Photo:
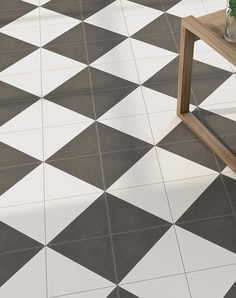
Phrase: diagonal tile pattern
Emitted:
{"points": [[94, 162]]}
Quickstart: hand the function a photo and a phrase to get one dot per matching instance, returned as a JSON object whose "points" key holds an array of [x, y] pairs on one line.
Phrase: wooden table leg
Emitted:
{"points": [[185, 69]]}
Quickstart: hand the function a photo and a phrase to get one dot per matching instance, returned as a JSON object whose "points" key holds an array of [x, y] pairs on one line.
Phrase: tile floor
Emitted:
{"points": [[104, 192]]}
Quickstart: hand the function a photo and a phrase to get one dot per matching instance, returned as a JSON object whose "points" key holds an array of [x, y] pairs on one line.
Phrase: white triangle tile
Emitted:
{"points": [[102, 293], [54, 78], [134, 9], [29, 281], [42, 2], [59, 184], [54, 114], [30, 82], [28, 141], [143, 50], [34, 2], [121, 53], [117, 25], [151, 198], [137, 22], [196, 12], [148, 67], [212, 283], [30, 118], [131, 105], [227, 110], [27, 190], [114, 10], [81, 279], [163, 123], [229, 173], [21, 218], [158, 102], [222, 94], [50, 17], [213, 58], [175, 167], [60, 213], [30, 63], [56, 137], [199, 253], [182, 194], [163, 259], [136, 126], [123, 69], [186, 5], [52, 61], [169, 287], [145, 171]]}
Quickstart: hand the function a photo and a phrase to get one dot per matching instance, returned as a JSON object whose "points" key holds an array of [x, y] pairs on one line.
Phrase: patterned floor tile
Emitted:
{"points": [[69, 8]]}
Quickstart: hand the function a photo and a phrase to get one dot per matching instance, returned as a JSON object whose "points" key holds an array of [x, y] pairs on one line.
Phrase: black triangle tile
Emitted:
{"points": [[92, 222], [206, 79], [121, 293], [195, 151], [127, 217], [87, 169], [13, 240], [75, 94], [94, 254], [91, 7], [12, 50], [8, 15], [70, 44], [69, 8], [221, 230], [212, 202], [117, 163], [170, 3], [11, 263], [232, 292], [230, 185], [86, 143], [10, 176], [156, 4], [114, 140], [158, 32], [130, 248]]}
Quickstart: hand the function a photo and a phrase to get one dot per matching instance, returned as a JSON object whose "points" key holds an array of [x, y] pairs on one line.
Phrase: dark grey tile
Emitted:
{"points": [[95, 33], [10, 176], [87, 169], [230, 185], [174, 21], [104, 100], [221, 231], [114, 140], [10, 110], [195, 151], [13, 262], [117, 163], [13, 240], [169, 3], [91, 223], [126, 217], [13, 157], [10, 94], [12, 50], [70, 8], [156, 4], [94, 254], [86, 143], [212, 202], [15, 4], [232, 292], [91, 7], [75, 94], [130, 248], [119, 292], [8, 16]]}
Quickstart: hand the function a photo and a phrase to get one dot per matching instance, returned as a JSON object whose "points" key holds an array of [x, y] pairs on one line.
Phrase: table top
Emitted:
{"points": [[211, 28]]}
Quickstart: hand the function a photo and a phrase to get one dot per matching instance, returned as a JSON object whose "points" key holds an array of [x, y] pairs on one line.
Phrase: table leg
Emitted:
{"points": [[185, 69]]}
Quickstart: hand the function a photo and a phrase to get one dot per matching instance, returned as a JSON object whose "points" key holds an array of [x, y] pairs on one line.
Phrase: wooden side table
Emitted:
{"points": [[210, 28]]}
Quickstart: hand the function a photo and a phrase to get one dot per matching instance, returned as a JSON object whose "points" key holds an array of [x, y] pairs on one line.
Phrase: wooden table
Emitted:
{"points": [[209, 28]]}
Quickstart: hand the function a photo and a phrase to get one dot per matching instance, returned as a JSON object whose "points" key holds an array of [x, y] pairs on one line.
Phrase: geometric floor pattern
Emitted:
{"points": [[104, 192]]}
